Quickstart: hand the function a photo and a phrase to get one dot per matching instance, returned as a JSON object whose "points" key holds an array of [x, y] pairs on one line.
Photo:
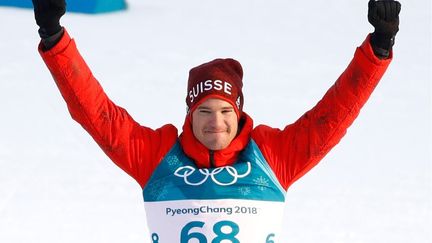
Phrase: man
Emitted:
{"points": [[221, 178]]}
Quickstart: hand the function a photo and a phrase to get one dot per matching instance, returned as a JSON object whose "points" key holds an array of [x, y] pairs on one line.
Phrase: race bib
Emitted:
{"points": [[242, 202], [214, 221]]}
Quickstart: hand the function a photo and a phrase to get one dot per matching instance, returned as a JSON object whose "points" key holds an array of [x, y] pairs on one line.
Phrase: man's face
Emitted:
{"points": [[214, 123]]}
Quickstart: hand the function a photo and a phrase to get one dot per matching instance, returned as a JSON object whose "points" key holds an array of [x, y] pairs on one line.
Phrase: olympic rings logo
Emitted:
{"points": [[186, 171]]}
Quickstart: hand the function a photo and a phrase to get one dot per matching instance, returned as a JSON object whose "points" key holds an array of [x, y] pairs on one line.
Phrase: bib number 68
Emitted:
{"points": [[187, 235]]}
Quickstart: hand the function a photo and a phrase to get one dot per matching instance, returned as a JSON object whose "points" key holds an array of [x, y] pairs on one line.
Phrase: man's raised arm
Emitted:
{"points": [[134, 148], [297, 148]]}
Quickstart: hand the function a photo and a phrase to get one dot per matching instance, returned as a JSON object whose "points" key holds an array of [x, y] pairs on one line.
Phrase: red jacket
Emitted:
{"points": [[290, 152]]}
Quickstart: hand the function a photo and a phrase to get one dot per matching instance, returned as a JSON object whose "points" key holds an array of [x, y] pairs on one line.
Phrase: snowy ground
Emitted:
{"points": [[375, 186]]}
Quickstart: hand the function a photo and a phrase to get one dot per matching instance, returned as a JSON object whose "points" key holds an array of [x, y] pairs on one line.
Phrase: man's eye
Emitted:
{"points": [[204, 111], [227, 111]]}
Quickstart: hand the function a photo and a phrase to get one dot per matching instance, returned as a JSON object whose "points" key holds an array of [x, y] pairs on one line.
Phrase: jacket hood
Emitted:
{"points": [[195, 150]]}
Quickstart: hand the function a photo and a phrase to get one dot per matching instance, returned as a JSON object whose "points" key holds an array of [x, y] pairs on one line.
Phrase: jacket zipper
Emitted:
{"points": [[212, 161]]}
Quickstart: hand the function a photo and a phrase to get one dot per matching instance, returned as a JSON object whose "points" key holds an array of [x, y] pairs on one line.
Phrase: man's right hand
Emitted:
{"points": [[47, 15]]}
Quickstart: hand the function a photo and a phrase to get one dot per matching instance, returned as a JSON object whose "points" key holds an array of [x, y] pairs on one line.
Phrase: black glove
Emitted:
{"points": [[47, 15], [384, 16]]}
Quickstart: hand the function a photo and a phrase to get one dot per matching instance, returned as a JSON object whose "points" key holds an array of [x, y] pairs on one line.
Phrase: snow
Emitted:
{"points": [[376, 186]]}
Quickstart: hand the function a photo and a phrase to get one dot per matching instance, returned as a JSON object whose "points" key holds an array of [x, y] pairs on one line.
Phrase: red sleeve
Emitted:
{"points": [[134, 148], [297, 148]]}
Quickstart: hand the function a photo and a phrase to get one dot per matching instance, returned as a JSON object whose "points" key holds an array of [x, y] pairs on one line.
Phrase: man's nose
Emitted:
{"points": [[216, 119]]}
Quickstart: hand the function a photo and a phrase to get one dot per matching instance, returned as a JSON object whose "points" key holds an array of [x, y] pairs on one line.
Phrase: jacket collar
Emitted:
{"points": [[201, 155]]}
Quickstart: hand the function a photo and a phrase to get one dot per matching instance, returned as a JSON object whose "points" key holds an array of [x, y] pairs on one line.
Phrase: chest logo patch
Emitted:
{"points": [[186, 172]]}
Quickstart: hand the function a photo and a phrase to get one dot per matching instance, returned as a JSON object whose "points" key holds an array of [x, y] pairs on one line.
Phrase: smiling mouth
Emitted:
{"points": [[218, 131]]}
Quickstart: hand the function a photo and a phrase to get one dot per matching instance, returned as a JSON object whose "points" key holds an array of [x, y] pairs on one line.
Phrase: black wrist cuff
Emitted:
{"points": [[381, 53], [51, 41], [48, 31], [382, 44], [383, 41]]}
